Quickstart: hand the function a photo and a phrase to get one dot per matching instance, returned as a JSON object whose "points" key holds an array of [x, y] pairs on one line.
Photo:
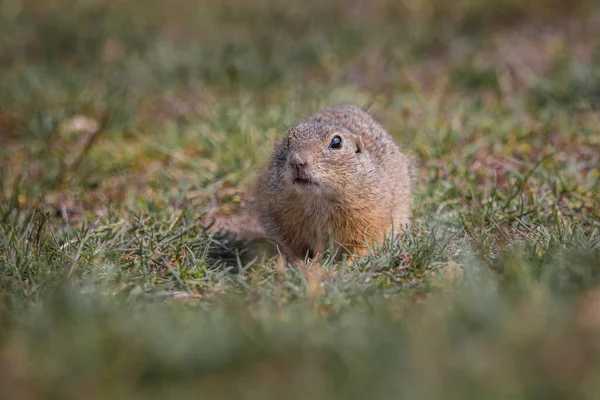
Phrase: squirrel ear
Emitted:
{"points": [[359, 144]]}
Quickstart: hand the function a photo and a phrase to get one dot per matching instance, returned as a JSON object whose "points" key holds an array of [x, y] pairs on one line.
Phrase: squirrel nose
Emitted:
{"points": [[297, 162]]}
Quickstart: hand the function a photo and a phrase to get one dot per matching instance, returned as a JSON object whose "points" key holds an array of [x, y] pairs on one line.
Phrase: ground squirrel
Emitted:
{"points": [[335, 178]]}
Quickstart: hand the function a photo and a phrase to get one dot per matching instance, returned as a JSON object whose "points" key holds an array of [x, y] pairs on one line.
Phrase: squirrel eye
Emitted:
{"points": [[336, 143]]}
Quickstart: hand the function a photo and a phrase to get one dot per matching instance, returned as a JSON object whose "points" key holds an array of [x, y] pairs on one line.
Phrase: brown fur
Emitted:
{"points": [[356, 195]]}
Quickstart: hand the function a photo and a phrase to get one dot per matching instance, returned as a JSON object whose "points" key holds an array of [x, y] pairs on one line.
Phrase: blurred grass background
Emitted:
{"points": [[127, 126]]}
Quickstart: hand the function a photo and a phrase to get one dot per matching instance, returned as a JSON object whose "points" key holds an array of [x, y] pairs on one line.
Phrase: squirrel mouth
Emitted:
{"points": [[303, 181]]}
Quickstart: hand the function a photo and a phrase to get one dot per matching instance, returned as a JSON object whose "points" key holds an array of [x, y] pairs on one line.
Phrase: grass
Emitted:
{"points": [[130, 138]]}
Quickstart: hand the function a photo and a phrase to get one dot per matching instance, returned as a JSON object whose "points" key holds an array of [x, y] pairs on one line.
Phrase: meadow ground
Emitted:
{"points": [[131, 133]]}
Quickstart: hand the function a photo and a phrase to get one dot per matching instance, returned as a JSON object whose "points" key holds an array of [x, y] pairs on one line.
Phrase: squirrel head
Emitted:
{"points": [[321, 157]]}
